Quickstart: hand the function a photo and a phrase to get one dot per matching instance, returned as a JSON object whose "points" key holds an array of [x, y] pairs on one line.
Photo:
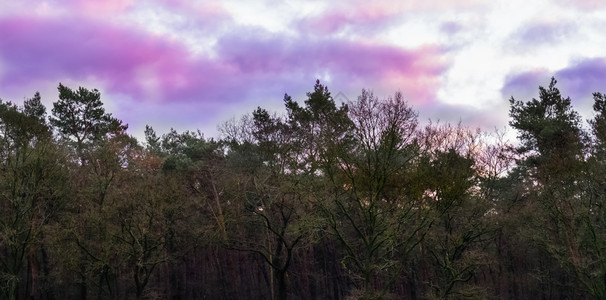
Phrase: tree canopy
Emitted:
{"points": [[325, 200]]}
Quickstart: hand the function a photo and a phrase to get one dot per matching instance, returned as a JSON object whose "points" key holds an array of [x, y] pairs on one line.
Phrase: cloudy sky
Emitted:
{"points": [[192, 64]]}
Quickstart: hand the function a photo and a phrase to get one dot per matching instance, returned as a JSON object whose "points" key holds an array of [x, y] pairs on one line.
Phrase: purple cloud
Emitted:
{"points": [[249, 66], [371, 16], [77, 49], [451, 27], [525, 85], [337, 20], [346, 61], [531, 35], [584, 78], [578, 81]]}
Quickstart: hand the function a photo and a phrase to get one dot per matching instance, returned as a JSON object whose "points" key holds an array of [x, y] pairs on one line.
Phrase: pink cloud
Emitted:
{"points": [[374, 15], [249, 66], [99, 7], [335, 20], [208, 8], [46, 48], [208, 13], [129, 61], [66, 8]]}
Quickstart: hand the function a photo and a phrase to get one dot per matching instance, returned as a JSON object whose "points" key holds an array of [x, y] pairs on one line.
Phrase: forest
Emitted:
{"points": [[323, 200]]}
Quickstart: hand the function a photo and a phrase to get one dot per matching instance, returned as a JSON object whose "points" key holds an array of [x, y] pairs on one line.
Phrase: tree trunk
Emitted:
{"points": [[281, 281], [83, 287], [34, 270]]}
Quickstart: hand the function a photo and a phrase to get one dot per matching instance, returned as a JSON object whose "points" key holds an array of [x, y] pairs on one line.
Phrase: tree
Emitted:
{"points": [[272, 215], [99, 144], [553, 168], [598, 124], [201, 164], [316, 127], [590, 264], [371, 210], [33, 190], [79, 116], [461, 229], [153, 216], [550, 133], [453, 177]]}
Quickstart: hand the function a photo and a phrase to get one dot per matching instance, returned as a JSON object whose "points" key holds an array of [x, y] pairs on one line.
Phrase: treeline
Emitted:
{"points": [[357, 201]]}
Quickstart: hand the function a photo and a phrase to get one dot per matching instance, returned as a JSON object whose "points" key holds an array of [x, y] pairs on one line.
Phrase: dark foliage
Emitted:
{"points": [[328, 201]]}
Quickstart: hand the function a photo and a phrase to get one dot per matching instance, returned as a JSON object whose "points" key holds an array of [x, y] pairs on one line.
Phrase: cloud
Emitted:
{"points": [[577, 81], [525, 85], [105, 7], [583, 4], [541, 33], [77, 49], [487, 119], [580, 80], [348, 64], [250, 65], [371, 16], [584, 77], [131, 61], [450, 27], [65, 8]]}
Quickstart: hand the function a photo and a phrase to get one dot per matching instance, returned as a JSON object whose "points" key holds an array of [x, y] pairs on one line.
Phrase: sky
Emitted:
{"points": [[190, 65]]}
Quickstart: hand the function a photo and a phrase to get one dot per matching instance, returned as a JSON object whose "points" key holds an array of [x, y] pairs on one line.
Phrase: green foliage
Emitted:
{"points": [[33, 107], [80, 115], [549, 130], [598, 124], [316, 127], [328, 201], [568, 189], [152, 140], [369, 211], [33, 185]]}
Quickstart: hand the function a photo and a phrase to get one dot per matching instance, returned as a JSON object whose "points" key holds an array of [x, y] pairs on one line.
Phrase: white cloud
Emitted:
{"points": [[271, 16], [480, 66]]}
